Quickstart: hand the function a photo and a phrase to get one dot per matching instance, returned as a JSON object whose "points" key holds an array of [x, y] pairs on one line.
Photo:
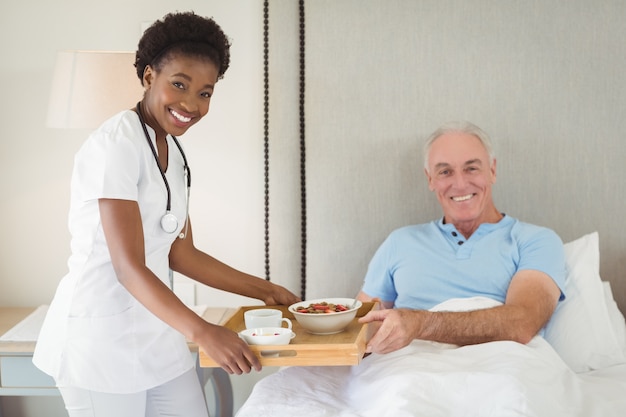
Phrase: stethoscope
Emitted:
{"points": [[169, 222]]}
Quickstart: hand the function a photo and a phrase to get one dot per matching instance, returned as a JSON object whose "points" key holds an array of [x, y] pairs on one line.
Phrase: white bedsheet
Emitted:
{"points": [[498, 379]]}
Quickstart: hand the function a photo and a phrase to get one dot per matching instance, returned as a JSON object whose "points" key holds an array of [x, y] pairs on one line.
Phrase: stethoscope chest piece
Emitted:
{"points": [[169, 223]]}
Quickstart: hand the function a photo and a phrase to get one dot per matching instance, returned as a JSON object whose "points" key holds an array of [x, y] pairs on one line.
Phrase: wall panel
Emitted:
{"points": [[543, 78]]}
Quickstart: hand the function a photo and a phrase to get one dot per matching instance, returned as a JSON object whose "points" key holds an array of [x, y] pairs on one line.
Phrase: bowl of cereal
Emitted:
{"points": [[325, 315]]}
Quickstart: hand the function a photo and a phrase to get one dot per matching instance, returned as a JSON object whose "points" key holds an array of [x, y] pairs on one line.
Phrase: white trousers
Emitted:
{"points": [[181, 397]]}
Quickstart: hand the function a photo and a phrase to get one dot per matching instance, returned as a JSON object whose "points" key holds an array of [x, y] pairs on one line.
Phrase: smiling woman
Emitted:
{"points": [[115, 336], [182, 65]]}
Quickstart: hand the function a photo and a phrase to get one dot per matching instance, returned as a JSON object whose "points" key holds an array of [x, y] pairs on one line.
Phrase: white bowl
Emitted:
{"points": [[267, 336], [326, 323]]}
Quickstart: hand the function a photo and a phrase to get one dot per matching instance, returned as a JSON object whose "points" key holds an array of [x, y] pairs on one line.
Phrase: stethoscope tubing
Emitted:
{"points": [[169, 222]]}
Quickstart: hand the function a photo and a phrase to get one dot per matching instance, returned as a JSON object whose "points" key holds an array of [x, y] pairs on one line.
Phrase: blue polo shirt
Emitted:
{"points": [[423, 265]]}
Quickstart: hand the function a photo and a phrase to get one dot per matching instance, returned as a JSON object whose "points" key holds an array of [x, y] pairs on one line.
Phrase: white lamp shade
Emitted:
{"points": [[90, 86]]}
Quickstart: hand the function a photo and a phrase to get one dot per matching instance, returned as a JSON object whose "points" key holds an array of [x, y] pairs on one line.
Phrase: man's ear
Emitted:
{"points": [[493, 171], [429, 179]]}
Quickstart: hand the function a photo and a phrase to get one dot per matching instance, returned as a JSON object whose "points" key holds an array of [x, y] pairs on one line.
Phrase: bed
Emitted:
{"points": [[576, 367]]}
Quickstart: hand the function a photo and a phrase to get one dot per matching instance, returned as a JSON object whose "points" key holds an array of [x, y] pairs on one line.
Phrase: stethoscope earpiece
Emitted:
{"points": [[169, 222]]}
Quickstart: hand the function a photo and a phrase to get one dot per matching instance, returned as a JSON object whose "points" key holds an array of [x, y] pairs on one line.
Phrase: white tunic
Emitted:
{"points": [[96, 335]]}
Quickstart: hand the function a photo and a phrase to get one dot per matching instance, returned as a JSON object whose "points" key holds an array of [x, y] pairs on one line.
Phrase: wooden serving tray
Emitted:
{"points": [[306, 349]]}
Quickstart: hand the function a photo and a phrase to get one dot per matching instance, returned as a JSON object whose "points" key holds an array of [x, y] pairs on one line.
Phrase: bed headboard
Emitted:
{"points": [[545, 80]]}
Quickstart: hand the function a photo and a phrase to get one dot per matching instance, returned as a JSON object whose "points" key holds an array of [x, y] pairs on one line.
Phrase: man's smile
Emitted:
{"points": [[462, 197]]}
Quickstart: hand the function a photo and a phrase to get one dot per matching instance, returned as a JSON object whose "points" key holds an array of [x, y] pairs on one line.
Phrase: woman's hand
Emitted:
{"points": [[227, 349], [278, 295]]}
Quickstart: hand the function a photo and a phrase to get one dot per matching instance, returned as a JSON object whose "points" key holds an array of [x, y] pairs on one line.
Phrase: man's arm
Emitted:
{"points": [[530, 302]]}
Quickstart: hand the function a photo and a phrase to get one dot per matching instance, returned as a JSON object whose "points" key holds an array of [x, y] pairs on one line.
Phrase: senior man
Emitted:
{"points": [[473, 250]]}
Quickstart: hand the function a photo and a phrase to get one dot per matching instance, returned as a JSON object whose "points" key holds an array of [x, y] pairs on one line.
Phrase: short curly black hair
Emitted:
{"points": [[186, 33]]}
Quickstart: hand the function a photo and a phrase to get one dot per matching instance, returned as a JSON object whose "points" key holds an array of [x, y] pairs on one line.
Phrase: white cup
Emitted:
{"points": [[265, 317]]}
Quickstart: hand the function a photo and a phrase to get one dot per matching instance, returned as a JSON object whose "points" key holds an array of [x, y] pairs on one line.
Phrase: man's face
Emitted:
{"points": [[460, 174]]}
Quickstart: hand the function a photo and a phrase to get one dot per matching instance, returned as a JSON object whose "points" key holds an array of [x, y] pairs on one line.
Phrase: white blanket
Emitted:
{"points": [[498, 379]]}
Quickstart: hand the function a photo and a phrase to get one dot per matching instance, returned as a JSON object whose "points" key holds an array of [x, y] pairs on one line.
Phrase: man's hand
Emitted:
{"points": [[398, 327]]}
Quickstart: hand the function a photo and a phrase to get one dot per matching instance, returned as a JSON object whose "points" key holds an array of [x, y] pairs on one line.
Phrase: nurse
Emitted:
{"points": [[115, 335]]}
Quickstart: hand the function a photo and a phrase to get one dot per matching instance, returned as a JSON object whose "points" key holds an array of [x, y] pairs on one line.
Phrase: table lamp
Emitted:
{"points": [[88, 87]]}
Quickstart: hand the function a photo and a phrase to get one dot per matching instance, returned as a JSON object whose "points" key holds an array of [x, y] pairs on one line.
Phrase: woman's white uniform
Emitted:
{"points": [[96, 335]]}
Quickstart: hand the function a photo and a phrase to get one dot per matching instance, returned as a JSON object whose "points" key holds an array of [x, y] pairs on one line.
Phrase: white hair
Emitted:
{"points": [[463, 127]]}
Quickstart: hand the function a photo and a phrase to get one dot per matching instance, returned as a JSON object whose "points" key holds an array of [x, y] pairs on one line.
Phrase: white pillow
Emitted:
{"points": [[615, 315], [580, 330]]}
